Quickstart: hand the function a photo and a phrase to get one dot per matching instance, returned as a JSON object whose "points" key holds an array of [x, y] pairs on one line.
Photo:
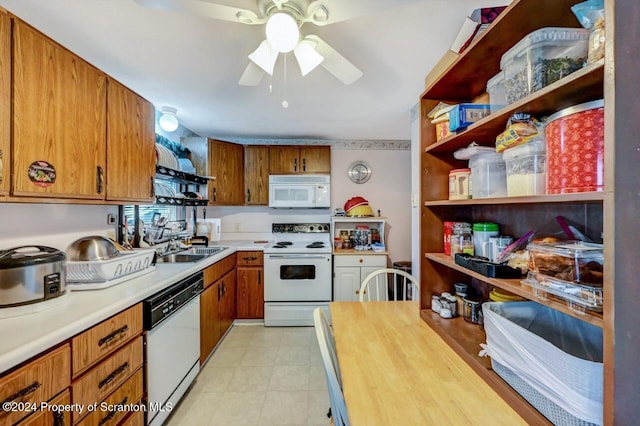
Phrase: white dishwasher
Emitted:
{"points": [[172, 321]]}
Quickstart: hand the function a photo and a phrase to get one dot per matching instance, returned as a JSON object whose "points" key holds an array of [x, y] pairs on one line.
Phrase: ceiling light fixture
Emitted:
{"points": [[307, 56], [168, 120], [264, 57], [282, 32]]}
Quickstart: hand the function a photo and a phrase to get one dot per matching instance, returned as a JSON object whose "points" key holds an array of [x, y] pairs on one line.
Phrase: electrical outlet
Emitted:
{"points": [[237, 226], [111, 219]]}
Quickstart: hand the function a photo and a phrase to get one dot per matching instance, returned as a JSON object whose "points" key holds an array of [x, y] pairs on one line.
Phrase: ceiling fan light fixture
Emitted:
{"points": [[265, 57], [307, 56], [282, 32], [168, 120]]}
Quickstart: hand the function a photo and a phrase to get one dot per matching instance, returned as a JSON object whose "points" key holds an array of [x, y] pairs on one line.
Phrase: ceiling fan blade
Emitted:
{"points": [[325, 12], [206, 8], [334, 62], [252, 75]]}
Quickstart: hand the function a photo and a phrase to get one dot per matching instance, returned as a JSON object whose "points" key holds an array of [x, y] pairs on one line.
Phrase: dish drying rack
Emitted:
{"points": [[98, 274]]}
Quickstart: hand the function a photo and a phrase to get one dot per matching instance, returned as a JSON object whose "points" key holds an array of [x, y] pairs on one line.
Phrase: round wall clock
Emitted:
{"points": [[359, 172]]}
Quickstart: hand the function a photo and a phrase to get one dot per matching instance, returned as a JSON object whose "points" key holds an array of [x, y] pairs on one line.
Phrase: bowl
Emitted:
{"points": [[92, 248]]}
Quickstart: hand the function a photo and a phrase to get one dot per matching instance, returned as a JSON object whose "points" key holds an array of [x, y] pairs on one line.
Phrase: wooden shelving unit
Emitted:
{"points": [[607, 212]]}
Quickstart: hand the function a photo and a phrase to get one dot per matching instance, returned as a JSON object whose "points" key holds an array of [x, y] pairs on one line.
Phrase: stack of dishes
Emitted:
{"points": [[166, 158], [164, 189], [501, 295]]}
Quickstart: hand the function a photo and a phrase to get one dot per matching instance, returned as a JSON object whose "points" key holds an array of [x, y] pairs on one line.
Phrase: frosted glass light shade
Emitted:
{"points": [[168, 120], [282, 32], [264, 57], [307, 56]]}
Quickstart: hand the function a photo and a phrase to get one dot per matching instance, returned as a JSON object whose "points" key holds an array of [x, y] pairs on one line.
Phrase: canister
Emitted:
{"points": [[459, 184], [482, 231], [575, 149], [447, 233], [472, 310]]}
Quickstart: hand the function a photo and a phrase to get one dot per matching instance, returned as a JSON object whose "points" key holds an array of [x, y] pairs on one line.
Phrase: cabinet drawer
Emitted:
{"points": [[101, 380], [35, 382], [250, 258], [104, 338], [50, 417], [135, 419], [214, 272], [361, 260], [118, 404]]}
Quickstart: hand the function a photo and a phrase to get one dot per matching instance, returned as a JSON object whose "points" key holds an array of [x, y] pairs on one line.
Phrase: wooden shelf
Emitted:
{"points": [[465, 338], [581, 86], [466, 78], [578, 197], [514, 286]]}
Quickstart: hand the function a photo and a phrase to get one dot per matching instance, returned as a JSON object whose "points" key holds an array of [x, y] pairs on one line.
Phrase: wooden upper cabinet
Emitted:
{"points": [[131, 156], [299, 159], [226, 165], [5, 101], [256, 174], [59, 120]]}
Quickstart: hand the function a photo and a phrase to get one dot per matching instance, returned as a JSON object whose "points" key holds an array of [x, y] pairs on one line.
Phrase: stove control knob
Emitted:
{"points": [[326, 227], [311, 228]]}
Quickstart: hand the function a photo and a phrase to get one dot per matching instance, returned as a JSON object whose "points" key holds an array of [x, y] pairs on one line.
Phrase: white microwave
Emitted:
{"points": [[299, 191]]}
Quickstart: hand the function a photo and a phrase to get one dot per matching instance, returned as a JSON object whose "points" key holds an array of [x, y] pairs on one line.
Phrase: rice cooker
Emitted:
{"points": [[31, 274]]}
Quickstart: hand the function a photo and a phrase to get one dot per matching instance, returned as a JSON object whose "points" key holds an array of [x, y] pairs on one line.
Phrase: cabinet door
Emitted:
{"points": [[5, 101], [315, 159], [284, 159], [226, 164], [256, 175], [131, 155], [346, 284], [209, 320], [59, 120], [228, 309], [250, 293], [51, 417]]}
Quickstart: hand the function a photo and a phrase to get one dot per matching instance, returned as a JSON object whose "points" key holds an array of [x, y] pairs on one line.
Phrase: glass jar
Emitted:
{"points": [[472, 310], [435, 303], [375, 236], [461, 240]]}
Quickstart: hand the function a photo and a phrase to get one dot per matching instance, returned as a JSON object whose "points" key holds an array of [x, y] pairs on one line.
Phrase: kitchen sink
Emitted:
{"points": [[193, 254]]}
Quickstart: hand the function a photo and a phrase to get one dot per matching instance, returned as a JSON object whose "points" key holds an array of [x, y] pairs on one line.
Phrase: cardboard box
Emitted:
{"points": [[447, 59]]}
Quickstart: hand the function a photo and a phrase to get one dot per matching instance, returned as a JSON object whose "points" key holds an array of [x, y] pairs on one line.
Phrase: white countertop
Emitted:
{"points": [[27, 335]]}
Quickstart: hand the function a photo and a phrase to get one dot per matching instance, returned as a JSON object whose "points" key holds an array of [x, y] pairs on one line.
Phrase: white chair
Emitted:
{"points": [[324, 334], [377, 286]]}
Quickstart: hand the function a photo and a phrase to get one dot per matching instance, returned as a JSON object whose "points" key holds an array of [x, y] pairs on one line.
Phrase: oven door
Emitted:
{"points": [[297, 277]]}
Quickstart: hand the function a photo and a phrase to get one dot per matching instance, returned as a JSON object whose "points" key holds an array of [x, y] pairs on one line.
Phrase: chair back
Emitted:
{"points": [[389, 284], [324, 334]]}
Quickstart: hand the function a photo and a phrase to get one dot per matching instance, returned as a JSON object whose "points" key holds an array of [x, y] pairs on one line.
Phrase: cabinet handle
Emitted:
{"points": [[112, 413], [295, 164], [58, 418], [21, 393], [250, 258], [219, 292], [259, 277], [248, 195], [304, 164], [215, 194], [361, 260], [109, 337], [152, 188], [224, 288], [358, 291], [99, 180], [1, 174], [113, 375]]}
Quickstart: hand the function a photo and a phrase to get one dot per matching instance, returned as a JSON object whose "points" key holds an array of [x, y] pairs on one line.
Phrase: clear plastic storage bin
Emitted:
{"points": [[578, 297], [575, 261], [497, 92], [541, 58], [526, 169], [488, 175]]}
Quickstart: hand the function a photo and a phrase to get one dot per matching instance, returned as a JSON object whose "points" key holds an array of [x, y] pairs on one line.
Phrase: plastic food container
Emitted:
{"points": [[497, 92], [526, 169], [578, 297], [464, 115], [575, 149], [489, 175], [459, 184], [574, 261], [541, 58]]}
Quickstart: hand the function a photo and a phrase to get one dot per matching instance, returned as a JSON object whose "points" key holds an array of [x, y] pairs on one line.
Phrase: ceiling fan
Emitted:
{"points": [[283, 19]]}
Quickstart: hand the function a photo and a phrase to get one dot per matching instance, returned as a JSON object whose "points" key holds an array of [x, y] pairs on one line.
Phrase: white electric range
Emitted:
{"points": [[297, 273]]}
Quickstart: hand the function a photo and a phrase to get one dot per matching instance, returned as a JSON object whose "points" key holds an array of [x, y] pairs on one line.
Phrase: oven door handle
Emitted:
{"points": [[297, 256]]}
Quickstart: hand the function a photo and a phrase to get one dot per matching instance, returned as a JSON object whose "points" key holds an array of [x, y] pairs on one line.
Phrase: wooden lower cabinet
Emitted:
{"points": [[134, 419], [52, 416], [118, 405], [209, 320], [36, 382], [250, 282], [228, 300], [350, 270]]}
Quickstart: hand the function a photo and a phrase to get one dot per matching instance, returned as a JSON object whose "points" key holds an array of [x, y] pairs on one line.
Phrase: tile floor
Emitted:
{"points": [[262, 376]]}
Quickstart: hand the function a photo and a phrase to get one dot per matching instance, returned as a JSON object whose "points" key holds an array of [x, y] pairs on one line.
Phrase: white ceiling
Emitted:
{"points": [[193, 63]]}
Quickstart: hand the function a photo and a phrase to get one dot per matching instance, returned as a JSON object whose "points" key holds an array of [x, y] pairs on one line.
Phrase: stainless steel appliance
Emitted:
{"points": [[30, 274], [297, 271], [172, 318], [299, 191]]}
